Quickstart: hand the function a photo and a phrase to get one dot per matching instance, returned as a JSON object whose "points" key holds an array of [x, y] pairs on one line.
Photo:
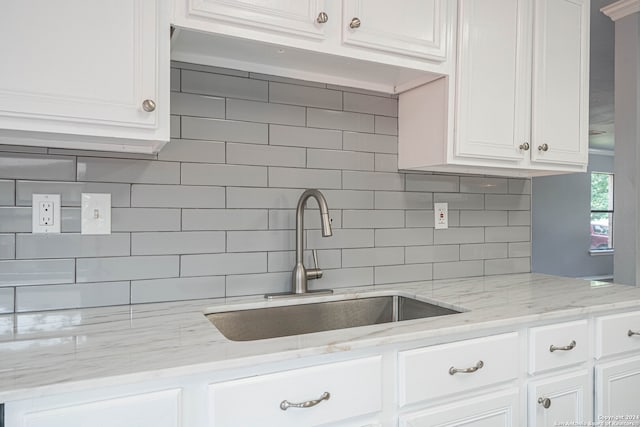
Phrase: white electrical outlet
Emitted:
{"points": [[45, 213], [441, 214], [95, 213]]}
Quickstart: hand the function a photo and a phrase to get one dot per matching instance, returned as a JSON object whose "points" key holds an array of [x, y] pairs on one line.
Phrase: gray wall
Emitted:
{"points": [[560, 210], [213, 214]]}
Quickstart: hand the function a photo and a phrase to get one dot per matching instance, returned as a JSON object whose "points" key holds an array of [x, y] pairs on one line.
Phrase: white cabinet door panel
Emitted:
{"points": [[569, 397], [617, 385]]}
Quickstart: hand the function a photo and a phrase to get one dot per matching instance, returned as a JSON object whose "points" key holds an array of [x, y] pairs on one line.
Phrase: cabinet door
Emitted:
{"points": [[410, 27], [492, 117], [496, 410], [298, 17], [617, 385], [569, 399], [561, 82], [84, 67]]}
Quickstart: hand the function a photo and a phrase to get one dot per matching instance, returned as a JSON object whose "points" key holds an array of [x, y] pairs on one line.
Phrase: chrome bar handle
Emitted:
{"points": [[479, 365], [632, 333], [316, 272], [569, 347], [285, 404], [545, 402]]}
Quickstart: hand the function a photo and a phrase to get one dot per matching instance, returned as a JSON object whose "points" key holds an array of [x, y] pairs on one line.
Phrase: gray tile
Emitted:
{"points": [[304, 178], [285, 260], [519, 250], [306, 96], [175, 127], [145, 219], [403, 273], [273, 198], [187, 150], [386, 125], [254, 241], [368, 257], [15, 220], [225, 86], [373, 219], [404, 237], [224, 130], [507, 266], [177, 289], [70, 192], [330, 119], [421, 218], [128, 171], [23, 149], [251, 111], [359, 103], [56, 297], [508, 234], [177, 196], [305, 137], [214, 174], [7, 246], [6, 300], [179, 242], [258, 284], [386, 162], [36, 272], [403, 200], [338, 159], [461, 201], [520, 218], [341, 239], [285, 219], [372, 181], [359, 90], [71, 245], [508, 202], [189, 104], [70, 220], [220, 264], [483, 251], [519, 186], [450, 270], [209, 69], [477, 184], [224, 219], [346, 199], [459, 235], [175, 79], [7, 192], [279, 79], [437, 253], [265, 155], [34, 166], [433, 183], [108, 154], [344, 278], [370, 142], [126, 268], [483, 218]]}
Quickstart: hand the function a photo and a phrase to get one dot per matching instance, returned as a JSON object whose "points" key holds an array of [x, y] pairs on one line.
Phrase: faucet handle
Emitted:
{"points": [[314, 273], [314, 252]]}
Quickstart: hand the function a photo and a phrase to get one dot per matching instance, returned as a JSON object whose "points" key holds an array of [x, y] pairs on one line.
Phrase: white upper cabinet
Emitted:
{"points": [[518, 105], [372, 44], [85, 74]]}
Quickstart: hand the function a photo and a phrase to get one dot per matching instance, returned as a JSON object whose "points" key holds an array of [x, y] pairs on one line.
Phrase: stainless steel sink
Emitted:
{"points": [[286, 320]]}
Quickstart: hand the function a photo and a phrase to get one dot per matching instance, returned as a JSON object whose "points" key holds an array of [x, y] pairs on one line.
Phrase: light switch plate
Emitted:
{"points": [[96, 213], [45, 213], [441, 214]]}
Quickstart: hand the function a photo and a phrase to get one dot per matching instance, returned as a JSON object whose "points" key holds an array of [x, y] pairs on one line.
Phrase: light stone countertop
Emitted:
{"points": [[70, 350]]}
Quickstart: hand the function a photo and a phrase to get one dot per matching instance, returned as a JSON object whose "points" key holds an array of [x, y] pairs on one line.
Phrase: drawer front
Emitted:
{"points": [[613, 334], [569, 342], [355, 388], [427, 373]]}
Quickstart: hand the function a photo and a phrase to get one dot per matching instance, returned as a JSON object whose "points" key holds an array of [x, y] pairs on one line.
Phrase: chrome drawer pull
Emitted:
{"points": [[571, 346], [545, 402], [453, 371], [632, 333], [285, 404]]}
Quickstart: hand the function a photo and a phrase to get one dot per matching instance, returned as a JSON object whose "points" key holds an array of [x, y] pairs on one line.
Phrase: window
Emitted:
{"points": [[601, 211]]}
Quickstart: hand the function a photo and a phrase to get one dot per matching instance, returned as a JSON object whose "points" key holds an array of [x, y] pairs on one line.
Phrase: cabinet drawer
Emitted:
{"points": [[613, 334], [559, 345], [355, 388], [427, 373]]}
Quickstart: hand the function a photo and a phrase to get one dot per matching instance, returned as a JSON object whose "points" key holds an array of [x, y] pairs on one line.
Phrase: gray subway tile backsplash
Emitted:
{"points": [[213, 214]]}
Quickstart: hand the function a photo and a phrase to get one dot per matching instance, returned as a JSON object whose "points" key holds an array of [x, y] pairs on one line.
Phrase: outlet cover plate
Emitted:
{"points": [[45, 213], [441, 214], [95, 213]]}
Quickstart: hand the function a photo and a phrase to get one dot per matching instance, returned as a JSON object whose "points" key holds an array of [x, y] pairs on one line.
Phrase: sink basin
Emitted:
{"points": [[287, 320]]}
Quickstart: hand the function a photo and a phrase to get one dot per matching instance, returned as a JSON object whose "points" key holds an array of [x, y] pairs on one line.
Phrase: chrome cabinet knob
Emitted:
{"points": [[148, 105], [524, 147], [543, 147], [355, 23], [545, 402], [322, 18]]}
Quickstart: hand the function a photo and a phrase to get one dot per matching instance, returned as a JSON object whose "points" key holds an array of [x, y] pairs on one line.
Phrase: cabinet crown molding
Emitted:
{"points": [[621, 8]]}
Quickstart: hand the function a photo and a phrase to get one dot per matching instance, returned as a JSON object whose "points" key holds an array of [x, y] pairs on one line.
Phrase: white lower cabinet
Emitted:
{"points": [[560, 399], [617, 385]]}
